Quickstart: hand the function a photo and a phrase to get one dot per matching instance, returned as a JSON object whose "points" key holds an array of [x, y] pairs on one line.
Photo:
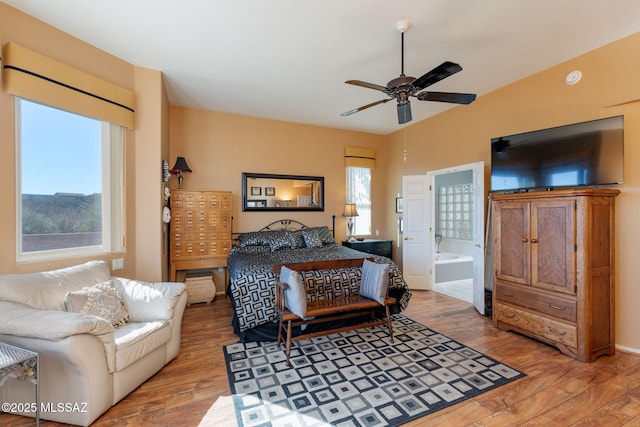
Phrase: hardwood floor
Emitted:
{"points": [[193, 389]]}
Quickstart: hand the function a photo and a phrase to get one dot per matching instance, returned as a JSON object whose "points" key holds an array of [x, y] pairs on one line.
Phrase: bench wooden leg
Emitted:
{"points": [[386, 307], [288, 350], [280, 328]]}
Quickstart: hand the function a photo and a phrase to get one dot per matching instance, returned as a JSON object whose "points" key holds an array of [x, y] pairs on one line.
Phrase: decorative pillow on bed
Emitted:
{"points": [[279, 240], [296, 238], [325, 235], [375, 281], [295, 295], [250, 239], [275, 239], [101, 300], [311, 238], [250, 249], [254, 238]]}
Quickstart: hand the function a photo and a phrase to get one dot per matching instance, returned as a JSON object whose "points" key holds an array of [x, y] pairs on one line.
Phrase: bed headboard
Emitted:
{"points": [[290, 225], [284, 224]]}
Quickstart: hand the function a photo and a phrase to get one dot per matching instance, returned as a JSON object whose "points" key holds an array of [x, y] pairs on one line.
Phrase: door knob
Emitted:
{"points": [[408, 238], [477, 245]]}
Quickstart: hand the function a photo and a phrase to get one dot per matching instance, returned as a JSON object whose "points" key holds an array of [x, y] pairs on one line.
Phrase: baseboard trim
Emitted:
{"points": [[630, 350]]}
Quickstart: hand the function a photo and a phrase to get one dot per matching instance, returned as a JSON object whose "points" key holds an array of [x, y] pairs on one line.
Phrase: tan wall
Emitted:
{"points": [[149, 231], [142, 149], [462, 135], [218, 147]]}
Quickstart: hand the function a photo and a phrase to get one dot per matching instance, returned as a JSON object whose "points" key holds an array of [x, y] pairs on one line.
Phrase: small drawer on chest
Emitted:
{"points": [[540, 326], [563, 308]]}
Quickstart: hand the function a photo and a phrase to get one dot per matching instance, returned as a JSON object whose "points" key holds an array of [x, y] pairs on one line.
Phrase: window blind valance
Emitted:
{"points": [[360, 157], [36, 77]]}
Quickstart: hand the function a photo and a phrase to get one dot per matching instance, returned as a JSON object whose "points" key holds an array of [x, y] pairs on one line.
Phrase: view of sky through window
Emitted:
{"points": [[51, 154]]}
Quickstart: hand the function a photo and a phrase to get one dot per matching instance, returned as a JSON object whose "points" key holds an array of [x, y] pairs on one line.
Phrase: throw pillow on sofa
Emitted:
{"points": [[100, 300]]}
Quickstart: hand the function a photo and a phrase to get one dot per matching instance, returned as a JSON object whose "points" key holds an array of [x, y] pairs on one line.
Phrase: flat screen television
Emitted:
{"points": [[582, 154]]}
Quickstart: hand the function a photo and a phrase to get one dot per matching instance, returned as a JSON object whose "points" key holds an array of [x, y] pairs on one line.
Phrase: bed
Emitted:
{"points": [[252, 281]]}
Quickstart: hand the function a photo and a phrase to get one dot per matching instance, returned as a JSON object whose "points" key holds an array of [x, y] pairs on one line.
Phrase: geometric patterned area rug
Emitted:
{"points": [[358, 378]]}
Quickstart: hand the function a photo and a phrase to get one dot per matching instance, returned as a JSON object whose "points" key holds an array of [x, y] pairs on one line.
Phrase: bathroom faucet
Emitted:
{"points": [[438, 238]]}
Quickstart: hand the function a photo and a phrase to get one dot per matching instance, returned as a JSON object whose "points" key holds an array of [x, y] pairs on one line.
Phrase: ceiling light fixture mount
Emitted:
{"points": [[403, 26]]}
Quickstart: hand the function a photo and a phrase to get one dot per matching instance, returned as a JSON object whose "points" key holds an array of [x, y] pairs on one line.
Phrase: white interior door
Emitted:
{"points": [[478, 236], [477, 170], [416, 249]]}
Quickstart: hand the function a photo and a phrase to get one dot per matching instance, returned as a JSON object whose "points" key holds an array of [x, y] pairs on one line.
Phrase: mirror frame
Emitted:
{"points": [[246, 202]]}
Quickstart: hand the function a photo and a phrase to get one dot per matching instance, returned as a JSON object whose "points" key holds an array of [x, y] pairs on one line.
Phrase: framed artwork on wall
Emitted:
{"points": [[257, 203], [399, 204], [256, 191], [269, 191]]}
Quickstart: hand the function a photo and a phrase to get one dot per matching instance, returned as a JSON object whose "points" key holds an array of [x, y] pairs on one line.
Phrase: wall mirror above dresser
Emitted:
{"points": [[271, 192]]}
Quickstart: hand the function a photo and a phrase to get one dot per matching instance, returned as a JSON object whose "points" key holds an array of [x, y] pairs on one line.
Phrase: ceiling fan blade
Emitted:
{"points": [[456, 98], [364, 107], [404, 112], [441, 72], [367, 85]]}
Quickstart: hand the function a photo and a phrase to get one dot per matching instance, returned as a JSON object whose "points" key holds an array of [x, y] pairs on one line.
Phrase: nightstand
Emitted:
{"points": [[371, 246]]}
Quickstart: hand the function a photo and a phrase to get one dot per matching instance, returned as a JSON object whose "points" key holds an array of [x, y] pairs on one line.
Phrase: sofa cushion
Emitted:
{"points": [[136, 340], [100, 300], [47, 290], [146, 301]]}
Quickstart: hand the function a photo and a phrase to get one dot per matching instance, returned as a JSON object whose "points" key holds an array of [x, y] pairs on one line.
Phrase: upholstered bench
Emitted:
{"points": [[344, 295]]}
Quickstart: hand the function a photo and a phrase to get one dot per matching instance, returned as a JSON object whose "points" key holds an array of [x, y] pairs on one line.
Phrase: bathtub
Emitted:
{"points": [[450, 267]]}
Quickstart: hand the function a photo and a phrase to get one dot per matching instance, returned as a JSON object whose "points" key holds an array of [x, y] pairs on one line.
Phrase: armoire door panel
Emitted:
{"points": [[553, 245], [512, 233]]}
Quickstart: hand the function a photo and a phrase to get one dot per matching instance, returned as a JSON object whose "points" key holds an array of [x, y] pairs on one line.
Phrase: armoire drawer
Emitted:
{"points": [[540, 326], [554, 305]]}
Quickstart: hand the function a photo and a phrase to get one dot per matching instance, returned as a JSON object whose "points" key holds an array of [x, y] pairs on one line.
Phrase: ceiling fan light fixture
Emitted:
{"points": [[403, 86], [404, 112]]}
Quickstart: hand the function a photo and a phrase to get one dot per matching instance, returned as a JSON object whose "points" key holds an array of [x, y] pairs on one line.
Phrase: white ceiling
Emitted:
{"points": [[288, 59]]}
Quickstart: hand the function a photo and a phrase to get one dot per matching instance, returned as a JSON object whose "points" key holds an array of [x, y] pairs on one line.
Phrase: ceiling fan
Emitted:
{"points": [[403, 87]]}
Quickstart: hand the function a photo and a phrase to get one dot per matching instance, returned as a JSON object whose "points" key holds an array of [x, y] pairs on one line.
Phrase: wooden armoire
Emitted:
{"points": [[553, 268]]}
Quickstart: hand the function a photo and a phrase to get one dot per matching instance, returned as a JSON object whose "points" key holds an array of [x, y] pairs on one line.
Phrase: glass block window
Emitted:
{"points": [[455, 211]]}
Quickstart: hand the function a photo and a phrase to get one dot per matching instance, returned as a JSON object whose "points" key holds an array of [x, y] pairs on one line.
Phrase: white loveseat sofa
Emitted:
{"points": [[84, 360]]}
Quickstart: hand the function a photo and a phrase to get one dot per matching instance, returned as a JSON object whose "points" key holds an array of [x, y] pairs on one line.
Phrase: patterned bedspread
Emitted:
{"points": [[253, 282]]}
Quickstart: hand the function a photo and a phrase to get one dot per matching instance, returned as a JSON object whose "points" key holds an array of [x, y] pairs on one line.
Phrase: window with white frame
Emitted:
{"points": [[69, 178], [359, 192]]}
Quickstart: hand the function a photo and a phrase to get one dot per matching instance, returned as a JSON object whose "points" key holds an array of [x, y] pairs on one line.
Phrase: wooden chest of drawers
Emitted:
{"points": [[200, 229]]}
